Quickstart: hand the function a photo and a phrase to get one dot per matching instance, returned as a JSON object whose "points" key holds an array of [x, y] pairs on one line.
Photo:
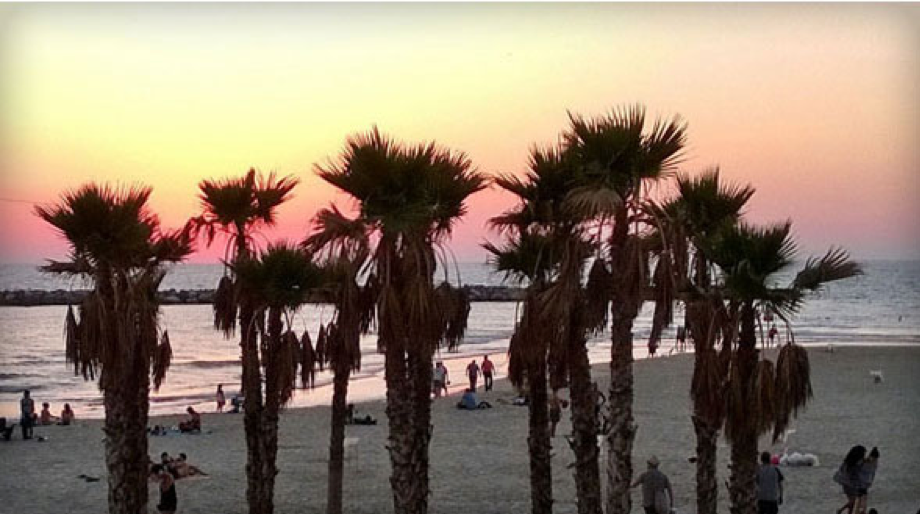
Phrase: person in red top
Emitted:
{"points": [[487, 369]]}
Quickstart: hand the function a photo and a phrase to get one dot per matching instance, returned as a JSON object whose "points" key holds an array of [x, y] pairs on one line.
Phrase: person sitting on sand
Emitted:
{"points": [[168, 463], [237, 403], [470, 402], [657, 495], [193, 423], [67, 415], [168, 500], [45, 417], [184, 469], [352, 419]]}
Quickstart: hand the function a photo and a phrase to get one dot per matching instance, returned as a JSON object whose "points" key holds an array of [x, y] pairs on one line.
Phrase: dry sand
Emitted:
{"points": [[479, 459]]}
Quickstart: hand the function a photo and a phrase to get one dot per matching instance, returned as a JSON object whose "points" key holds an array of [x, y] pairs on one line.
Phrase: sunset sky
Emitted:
{"points": [[818, 106]]}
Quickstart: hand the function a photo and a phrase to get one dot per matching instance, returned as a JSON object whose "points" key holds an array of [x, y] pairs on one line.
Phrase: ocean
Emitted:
{"points": [[882, 307]]}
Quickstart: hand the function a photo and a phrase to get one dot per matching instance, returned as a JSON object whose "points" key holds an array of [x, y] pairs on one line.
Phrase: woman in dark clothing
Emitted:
{"points": [[168, 500], [856, 475]]}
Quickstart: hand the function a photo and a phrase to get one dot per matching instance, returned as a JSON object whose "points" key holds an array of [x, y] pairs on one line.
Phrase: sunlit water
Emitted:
{"points": [[881, 307]]}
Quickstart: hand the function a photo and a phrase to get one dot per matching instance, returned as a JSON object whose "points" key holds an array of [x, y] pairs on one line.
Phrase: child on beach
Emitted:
{"points": [[221, 400], [45, 417], [67, 415]]}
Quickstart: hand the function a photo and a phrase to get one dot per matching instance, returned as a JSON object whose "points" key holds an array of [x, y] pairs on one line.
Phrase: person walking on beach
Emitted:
{"points": [[27, 419], [856, 475], [487, 369], [657, 495], [769, 486], [472, 371], [438, 379], [221, 399], [169, 502]]}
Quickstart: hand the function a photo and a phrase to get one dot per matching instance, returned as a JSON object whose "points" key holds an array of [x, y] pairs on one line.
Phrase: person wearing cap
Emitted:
{"points": [[657, 496]]}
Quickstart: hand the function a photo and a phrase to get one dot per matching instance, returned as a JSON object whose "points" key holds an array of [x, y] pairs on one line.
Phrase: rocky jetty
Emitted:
{"points": [[31, 297]]}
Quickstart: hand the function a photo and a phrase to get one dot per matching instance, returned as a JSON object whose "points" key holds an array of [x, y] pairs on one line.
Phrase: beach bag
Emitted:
{"points": [[662, 501]]}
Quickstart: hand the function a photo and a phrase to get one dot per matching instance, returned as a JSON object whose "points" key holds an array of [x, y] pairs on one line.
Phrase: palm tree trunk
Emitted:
{"points": [[584, 430], [625, 303], [337, 438], [744, 437], [269, 420], [252, 408], [538, 441], [420, 375], [707, 487], [126, 442], [623, 428], [399, 414]]}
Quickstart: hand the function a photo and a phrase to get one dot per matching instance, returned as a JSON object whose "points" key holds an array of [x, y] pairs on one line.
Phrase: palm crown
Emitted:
{"points": [[404, 189], [236, 205], [112, 227]]}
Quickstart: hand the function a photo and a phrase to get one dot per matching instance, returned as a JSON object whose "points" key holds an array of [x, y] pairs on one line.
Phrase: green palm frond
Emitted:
{"points": [[237, 205], [749, 255], [279, 278], [404, 189], [834, 265], [107, 225], [615, 153], [705, 203]]}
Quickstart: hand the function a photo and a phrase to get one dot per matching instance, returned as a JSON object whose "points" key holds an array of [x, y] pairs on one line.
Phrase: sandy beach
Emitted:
{"points": [[479, 459]]}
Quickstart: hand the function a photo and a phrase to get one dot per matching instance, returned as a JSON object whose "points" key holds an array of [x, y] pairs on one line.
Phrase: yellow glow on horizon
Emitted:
{"points": [[816, 105]]}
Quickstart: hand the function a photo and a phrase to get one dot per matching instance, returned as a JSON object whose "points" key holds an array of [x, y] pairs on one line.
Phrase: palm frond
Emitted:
{"points": [[162, 358], [834, 265]]}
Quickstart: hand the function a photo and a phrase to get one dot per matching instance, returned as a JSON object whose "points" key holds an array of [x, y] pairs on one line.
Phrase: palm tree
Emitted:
{"points": [[686, 224], [547, 246], [276, 284], [409, 198], [344, 245], [616, 156], [760, 396], [237, 208], [117, 243]]}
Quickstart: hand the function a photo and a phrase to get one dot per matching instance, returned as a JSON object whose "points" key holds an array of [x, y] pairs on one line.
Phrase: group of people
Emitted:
{"points": [[29, 418], [166, 473], [855, 475], [440, 378]]}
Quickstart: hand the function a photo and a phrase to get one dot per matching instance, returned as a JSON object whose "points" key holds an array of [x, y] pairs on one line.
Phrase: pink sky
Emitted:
{"points": [[816, 105]]}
